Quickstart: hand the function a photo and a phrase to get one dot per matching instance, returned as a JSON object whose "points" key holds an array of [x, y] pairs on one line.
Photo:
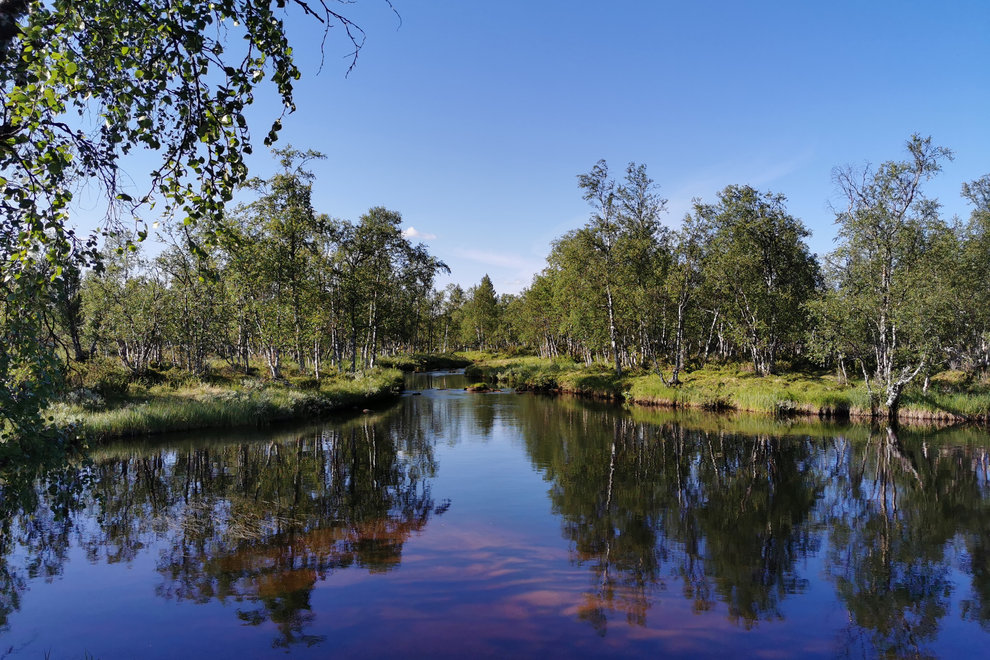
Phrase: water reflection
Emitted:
{"points": [[643, 505], [436, 380], [739, 520], [890, 550], [36, 523], [732, 518], [252, 523]]}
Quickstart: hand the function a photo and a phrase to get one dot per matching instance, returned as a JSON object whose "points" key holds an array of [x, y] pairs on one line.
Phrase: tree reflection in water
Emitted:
{"points": [[905, 503], [36, 522], [722, 513], [733, 516], [727, 516], [251, 523]]}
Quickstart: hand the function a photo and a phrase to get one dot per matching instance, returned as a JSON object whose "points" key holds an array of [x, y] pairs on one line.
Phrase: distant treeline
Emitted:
{"points": [[903, 296]]}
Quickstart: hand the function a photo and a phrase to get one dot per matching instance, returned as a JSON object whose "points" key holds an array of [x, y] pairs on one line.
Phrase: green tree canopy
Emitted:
{"points": [[762, 267]]}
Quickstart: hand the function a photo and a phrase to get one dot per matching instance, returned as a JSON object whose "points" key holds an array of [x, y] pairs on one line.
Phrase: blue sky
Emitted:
{"points": [[473, 119]]}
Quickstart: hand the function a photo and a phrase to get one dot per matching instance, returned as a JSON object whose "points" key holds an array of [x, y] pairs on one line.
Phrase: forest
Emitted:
{"points": [[255, 281], [902, 297], [687, 431], [277, 288]]}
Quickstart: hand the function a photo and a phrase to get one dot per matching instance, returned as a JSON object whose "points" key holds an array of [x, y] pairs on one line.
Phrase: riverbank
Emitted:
{"points": [[950, 398], [143, 410], [424, 361]]}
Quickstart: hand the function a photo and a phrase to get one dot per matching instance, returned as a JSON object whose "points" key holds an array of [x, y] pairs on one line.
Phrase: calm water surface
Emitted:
{"points": [[457, 525]]}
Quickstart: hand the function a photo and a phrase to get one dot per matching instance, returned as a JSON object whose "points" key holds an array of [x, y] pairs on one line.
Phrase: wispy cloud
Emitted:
{"points": [[412, 232], [758, 171]]}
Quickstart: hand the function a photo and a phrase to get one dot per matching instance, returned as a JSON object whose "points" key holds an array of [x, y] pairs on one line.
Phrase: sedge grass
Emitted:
{"points": [[147, 410], [731, 387]]}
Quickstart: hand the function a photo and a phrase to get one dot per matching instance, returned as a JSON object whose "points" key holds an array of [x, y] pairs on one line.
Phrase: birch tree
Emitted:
{"points": [[886, 262], [603, 231], [761, 265], [87, 83], [684, 278]]}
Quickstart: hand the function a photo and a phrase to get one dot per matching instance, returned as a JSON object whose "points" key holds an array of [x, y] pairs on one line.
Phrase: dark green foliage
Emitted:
{"points": [[304, 383], [105, 376], [424, 362], [760, 268]]}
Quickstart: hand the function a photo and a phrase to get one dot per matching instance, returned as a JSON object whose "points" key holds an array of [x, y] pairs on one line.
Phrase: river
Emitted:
{"points": [[456, 524]]}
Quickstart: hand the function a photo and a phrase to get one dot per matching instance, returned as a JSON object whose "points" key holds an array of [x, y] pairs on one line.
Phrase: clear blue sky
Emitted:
{"points": [[473, 119]]}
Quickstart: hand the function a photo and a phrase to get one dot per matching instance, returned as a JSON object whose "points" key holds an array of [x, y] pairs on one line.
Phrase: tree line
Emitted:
{"points": [[84, 85], [272, 282], [903, 295]]}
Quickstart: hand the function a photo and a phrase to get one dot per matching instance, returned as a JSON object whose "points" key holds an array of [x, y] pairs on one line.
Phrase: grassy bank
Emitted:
{"points": [[424, 361], [144, 410], [950, 398]]}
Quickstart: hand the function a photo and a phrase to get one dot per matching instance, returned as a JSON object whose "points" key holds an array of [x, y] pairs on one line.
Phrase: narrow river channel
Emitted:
{"points": [[456, 524]]}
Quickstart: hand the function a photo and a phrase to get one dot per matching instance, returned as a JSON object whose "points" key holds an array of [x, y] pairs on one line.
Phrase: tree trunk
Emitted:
{"points": [[893, 401], [353, 348], [611, 329], [373, 342], [274, 358], [678, 346]]}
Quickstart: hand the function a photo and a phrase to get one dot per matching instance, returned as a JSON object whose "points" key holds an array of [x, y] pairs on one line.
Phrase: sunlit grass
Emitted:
{"points": [[736, 387], [252, 402], [739, 390], [948, 404]]}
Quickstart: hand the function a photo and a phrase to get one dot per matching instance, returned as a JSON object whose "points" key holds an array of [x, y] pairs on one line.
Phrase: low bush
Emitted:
{"points": [[105, 377], [304, 383]]}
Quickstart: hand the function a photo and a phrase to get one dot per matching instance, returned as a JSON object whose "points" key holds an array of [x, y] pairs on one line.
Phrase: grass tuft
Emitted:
{"points": [[157, 409]]}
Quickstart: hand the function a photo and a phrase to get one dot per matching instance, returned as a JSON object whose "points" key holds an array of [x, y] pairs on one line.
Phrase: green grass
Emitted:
{"points": [[157, 409], [735, 387], [948, 404], [424, 361]]}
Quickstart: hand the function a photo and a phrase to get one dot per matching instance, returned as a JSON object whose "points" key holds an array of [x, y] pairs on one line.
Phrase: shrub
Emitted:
{"points": [[785, 407], [172, 377], [543, 382], [105, 377]]}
